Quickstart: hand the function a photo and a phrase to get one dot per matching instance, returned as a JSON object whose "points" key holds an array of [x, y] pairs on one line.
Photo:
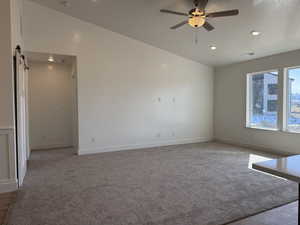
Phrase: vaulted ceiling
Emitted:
{"points": [[277, 20]]}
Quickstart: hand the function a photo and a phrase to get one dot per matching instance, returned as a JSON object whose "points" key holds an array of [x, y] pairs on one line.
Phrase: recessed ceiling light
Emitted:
{"points": [[255, 33], [212, 47], [50, 59]]}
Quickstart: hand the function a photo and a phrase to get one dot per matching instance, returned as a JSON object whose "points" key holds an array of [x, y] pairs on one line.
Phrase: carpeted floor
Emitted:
{"points": [[195, 184]]}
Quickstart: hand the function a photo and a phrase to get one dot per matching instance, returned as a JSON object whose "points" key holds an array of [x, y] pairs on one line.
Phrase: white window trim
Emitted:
{"points": [[286, 101], [283, 101], [263, 128]]}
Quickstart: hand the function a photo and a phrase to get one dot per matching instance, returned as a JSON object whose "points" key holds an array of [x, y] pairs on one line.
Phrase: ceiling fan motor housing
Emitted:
{"points": [[195, 11], [196, 2]]}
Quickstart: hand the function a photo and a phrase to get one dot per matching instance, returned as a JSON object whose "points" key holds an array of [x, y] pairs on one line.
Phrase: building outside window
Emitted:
{"points": [[272, 89], [262, 104], [272, 105]]}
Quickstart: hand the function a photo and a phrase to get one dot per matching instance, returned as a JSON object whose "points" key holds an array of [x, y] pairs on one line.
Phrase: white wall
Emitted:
{"points": [[10, 12], [230, 105], [50, 105], [6, 82], [120, 82]]}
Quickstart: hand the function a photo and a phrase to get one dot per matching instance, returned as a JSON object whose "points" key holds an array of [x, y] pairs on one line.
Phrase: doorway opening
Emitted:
{"points": [[52, 101]]}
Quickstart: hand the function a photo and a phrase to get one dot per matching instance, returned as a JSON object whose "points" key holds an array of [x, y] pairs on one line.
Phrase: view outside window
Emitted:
{"points": [[262, 100], [293, 89]]}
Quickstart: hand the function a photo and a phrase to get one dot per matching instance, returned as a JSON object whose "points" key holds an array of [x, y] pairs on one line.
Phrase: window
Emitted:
{"points": [[272, 105], [262, 106], [293, 99], [272, 89]]}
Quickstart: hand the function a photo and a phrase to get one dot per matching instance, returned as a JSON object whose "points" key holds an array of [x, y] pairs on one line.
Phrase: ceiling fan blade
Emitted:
{"points": [[223, 13], [179, 25], [208, 26], [173, 12], [201, 4]]}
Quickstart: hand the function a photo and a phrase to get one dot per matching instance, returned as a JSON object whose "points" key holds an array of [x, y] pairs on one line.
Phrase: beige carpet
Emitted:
{"points": [[195, 184]]}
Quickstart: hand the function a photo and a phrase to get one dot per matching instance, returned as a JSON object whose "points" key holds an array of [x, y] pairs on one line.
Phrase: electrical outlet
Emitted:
{"points": [[158, 135], [93, 140], [159, 99], [173, 134]]}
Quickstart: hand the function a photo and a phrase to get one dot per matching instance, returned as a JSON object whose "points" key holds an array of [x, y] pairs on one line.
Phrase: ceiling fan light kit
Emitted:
{"points": [[197, 17]]}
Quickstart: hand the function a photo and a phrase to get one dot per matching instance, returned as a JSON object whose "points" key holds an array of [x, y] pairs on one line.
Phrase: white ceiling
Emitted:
{"points": [[278, 20]]}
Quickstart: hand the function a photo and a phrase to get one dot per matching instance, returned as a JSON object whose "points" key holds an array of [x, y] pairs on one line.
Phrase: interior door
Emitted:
{"points": [[26, 111], [21, 117]]}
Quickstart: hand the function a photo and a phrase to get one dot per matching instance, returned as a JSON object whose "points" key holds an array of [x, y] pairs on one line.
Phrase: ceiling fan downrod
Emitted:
{"points": [[196, 2]]}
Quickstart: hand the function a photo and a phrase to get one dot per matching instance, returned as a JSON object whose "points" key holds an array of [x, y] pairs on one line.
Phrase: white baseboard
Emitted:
{"points": [[262, 148], [54, 146], [8, 185], [144, 145]]}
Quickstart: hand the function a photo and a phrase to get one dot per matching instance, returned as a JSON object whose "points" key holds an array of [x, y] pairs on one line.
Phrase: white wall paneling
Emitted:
{"points": [[8, 180]]}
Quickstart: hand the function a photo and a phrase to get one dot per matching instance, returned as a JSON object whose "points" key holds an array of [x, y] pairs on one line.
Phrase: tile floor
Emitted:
{"points": [[6, 199]]}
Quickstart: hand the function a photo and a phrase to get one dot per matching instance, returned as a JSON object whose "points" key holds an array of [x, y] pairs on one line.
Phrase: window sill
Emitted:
{"points": [[263, 128], [273, 129], [291, 132]]}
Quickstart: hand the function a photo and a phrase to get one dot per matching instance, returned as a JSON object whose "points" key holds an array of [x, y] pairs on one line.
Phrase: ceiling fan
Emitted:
{"points": [[197, 17]]}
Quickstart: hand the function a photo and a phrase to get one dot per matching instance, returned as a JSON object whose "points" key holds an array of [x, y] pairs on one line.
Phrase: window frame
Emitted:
{"points": [[286, 102], [249, 102]]}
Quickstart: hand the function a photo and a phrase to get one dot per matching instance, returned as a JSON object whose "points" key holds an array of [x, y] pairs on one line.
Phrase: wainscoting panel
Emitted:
{"points": [[8, 178]]}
